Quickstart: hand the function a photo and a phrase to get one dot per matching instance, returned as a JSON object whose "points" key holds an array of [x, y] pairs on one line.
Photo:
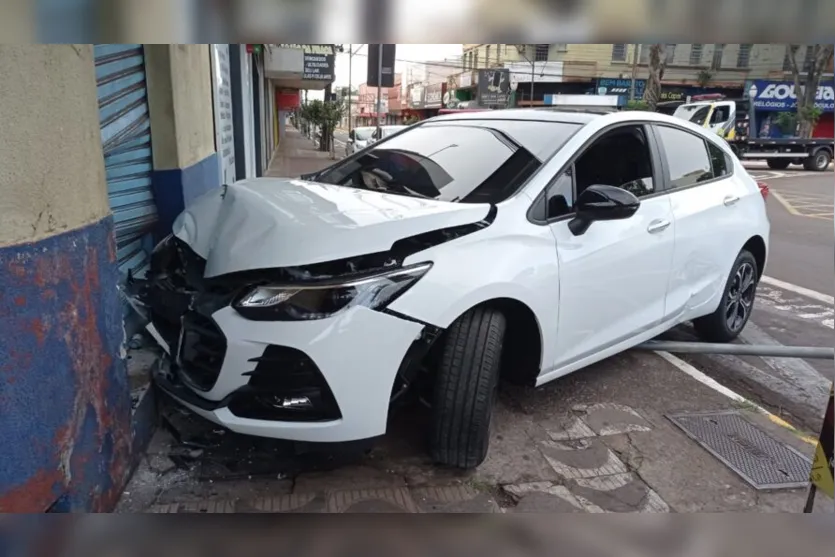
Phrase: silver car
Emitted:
{"points": [[358, 140]]}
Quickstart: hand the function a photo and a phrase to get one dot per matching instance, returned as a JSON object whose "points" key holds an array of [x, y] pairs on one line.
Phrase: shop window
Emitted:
{"points": [[696, 51], [619, 52], [743, 59]]}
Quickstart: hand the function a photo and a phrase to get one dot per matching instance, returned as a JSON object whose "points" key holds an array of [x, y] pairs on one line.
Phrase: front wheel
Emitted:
{"points": [[734, 311], [466, 388]]}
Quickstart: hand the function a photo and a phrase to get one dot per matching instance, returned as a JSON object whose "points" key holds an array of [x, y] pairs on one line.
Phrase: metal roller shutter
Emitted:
{"points": [[126, 142]]}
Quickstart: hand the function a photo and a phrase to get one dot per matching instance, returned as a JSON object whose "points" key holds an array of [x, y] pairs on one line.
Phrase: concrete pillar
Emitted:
{"points": [[182, 126], [65, 410]]}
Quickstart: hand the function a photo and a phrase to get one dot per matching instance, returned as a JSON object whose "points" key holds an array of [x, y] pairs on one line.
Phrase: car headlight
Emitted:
{"points": [[303, 302]]}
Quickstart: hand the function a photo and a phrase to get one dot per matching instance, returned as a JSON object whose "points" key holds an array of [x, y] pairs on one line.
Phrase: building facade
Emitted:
{"points": [[103, 146], [569, 68]]}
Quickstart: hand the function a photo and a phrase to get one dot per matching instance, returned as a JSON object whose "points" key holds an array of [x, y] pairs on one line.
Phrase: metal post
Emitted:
{"points": [[634, 71], [767, 350], [533, 71], [350, 58], [379, 89]]}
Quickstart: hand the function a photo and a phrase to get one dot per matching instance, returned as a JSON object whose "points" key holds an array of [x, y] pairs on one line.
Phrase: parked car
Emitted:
{"points": [[358, 139], [387, 131], [522, 245]]}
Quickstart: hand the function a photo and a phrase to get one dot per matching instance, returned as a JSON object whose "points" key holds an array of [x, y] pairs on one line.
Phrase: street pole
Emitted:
{"points": [[350, 84], [533, 71], [379, 89], [634, 71]]}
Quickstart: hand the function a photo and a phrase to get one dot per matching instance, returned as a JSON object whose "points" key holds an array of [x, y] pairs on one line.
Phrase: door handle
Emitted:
{"points": [[730, 200], [658, 225]]}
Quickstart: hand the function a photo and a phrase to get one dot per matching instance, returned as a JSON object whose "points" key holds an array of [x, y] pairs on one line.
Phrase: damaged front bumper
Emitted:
{"points": [[318, 380]]}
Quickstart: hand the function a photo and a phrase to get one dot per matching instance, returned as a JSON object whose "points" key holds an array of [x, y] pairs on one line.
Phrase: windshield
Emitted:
{"points": [[390, 130], [363, 134], [696, 113], [469, 161]]}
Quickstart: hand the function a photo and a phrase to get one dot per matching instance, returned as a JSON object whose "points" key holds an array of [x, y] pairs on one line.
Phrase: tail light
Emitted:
{"points": [[763, 189]]}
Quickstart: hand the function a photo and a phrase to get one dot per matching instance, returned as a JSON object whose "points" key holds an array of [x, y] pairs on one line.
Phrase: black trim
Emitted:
{"points": [[256, 111], [180, 391], [399, 315]]}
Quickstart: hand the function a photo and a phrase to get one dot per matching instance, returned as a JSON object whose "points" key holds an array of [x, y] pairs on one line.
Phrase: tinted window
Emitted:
{"points": [[560, 195], [474, 162], [687, 157], [719, 160]]}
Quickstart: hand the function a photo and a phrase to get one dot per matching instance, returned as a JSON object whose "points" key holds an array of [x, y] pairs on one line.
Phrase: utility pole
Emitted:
{"points": [[634, 71], [350, 73], [379, 89]]}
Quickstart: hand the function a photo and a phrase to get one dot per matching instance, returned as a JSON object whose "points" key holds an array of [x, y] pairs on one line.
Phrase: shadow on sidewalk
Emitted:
{"points": [[296, 154]]}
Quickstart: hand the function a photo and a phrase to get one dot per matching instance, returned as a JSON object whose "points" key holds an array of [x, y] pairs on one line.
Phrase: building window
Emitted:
{"points": [[743, 59], [787, 65], [809, 60], [718, 52], [499, 48], [475, 60], [671, 53], [619, 52], [645, 48], [696, 54], [541, 53], [487, 56]]}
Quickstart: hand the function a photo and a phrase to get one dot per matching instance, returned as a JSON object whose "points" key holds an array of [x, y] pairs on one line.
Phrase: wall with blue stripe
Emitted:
{"points": [[65, 408], [182, 124]]}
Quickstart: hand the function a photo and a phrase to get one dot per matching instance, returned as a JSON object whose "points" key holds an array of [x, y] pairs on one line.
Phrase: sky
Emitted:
{"points": [[403, 54]]}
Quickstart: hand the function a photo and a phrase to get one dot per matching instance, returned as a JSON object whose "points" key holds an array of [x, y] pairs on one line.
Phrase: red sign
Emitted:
{"points": [[287, 99]]}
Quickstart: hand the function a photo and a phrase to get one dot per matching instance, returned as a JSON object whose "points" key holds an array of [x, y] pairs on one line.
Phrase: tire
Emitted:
{"points": [[778, 164], [819, 161], [716, 326], [465, 389]]}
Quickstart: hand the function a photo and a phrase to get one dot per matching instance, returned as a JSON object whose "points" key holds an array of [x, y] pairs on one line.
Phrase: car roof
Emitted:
{"points": [[579, 116]]}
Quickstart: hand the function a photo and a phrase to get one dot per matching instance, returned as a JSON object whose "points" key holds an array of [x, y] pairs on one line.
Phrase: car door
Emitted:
{"points": [[706, 202], [613, 278]]}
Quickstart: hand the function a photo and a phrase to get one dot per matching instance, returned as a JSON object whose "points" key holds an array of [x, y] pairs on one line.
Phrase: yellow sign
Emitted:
{"points": [[821, 475]]}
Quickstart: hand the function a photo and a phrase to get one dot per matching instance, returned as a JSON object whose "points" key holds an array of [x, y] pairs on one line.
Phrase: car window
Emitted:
{"points": [[559, 198], [363, 134], [687, 157], [543, 139], [465, 163], [720, 162], [620, 158]]}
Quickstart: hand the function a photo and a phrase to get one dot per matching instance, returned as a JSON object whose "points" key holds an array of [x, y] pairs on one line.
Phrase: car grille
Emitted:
{"points": [[202, 350]]}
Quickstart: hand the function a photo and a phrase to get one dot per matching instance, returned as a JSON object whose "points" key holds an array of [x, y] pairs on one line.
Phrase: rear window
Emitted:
{"points": [[468, 161]]}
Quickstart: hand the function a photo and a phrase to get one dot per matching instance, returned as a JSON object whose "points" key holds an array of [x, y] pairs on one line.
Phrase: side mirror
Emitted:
{"points": [[600, 203]]}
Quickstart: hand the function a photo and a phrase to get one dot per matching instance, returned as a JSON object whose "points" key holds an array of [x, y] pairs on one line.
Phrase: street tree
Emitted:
{"points": [[807, 77], [324, 116], [657, 65]]}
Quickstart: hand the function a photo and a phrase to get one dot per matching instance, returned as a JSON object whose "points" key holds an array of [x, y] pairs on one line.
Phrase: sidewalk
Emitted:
{"points": [[296, 155], [600, 440]]}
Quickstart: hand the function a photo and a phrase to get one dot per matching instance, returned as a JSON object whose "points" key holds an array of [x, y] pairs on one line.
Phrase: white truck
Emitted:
{"points": [[733, 120]]}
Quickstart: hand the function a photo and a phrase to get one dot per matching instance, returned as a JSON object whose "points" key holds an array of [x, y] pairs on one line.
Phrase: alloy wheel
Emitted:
{"points": [[740, 298]]}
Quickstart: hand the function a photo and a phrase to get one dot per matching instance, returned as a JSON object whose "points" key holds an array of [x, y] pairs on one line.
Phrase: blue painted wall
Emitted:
{"points": [[175, 189], [65, 411]]}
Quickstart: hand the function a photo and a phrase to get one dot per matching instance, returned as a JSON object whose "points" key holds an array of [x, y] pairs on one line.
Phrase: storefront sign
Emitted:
{"points": [[779, 96], [416, 97], [494, 87], [319, 60], [435, 96], [607, 86]]}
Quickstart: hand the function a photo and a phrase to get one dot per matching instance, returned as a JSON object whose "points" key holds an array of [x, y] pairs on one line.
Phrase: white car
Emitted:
{"points": [[358, 139], [522, 244]]}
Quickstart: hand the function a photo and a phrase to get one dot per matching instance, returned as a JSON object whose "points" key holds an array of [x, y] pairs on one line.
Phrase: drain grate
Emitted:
{"points": [[761, 460]]}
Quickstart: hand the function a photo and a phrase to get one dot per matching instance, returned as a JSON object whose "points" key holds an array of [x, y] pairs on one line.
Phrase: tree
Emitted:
{"points": [[806, 86], [325, 116], [657, 65]]}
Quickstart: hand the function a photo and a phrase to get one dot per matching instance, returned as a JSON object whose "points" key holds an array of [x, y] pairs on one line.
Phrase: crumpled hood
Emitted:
{"points": [[280, 222]]}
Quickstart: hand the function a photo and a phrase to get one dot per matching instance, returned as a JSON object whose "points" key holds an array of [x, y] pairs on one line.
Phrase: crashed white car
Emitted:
{"points": [[358, 139], [516, 244]]}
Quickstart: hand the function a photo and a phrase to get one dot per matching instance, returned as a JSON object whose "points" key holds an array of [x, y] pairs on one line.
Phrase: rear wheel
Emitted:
{"points": [[819, 161], [778, 164], [725, 324], [466, 388]]}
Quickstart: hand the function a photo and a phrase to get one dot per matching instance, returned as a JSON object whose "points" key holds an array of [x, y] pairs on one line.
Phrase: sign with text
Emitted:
{"points": [[494, 87], [386, 79], [779, 96], [435, 95], [319, 62], [608, 86], [416, 97]]}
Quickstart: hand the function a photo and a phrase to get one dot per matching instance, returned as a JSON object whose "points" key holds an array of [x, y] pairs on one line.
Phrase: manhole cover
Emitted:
{"points": [[761, 460]]}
